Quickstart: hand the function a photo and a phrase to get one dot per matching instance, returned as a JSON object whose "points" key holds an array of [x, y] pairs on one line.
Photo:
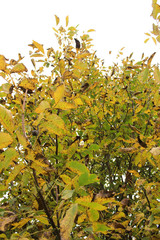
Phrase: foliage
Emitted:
{"points": [[79, 144]]}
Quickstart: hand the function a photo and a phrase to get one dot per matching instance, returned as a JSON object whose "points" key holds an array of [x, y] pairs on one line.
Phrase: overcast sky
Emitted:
{"points": [[118, 23]]}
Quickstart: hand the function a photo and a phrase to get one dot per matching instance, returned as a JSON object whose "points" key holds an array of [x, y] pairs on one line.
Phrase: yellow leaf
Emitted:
{"points": [[42, 107], [2, 63], [57, 19], [66, 179], [59, 93], [5, 140], [37, 55], [148, 34], [6, 119], [21, 223], [146, 40], [154, 40], [118, 215], [18, 68], [62, 66], [134, 172], [91, 30], [81, 218], [65, 106], [39, 46], [150, 59], [67, 20], [28, 83], [78, 101]]}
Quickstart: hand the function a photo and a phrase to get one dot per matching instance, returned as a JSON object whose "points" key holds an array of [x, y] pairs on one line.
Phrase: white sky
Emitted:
{"points": [[118, 23]]}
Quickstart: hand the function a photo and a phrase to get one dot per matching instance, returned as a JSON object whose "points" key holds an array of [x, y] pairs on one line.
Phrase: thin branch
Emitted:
{"points": [[55, 230], [145, 194]]}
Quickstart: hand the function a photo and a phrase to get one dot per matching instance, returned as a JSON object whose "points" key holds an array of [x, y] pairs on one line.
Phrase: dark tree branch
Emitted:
{"points": [[55, 230]]}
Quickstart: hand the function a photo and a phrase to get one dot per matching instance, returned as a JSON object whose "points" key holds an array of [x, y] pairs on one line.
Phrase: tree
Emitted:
{"points": [[79, 144]]}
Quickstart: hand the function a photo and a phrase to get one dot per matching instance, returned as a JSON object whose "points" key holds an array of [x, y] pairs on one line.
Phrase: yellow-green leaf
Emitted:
{"points": [[67, 20], [18, 68], [143, 76], [157, 75], [42, 219], [100, 227], [67, 223], [17, 169], [57, 19], [10, 155], [39, 46], [2, 63], [56, 120], [51, 128], [77, 167], [59, 93], [42, 106], [93, 215], [6, 119], [5, 140]]}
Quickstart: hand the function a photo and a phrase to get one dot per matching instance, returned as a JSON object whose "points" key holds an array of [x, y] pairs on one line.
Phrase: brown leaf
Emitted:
{"points": [[5, 221]]}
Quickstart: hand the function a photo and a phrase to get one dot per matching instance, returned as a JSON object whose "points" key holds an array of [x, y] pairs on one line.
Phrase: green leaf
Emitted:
{"points": [[77, 167], [67, 223], [94, 147], [5, 140], [67, 194], [6, 119], [93, 205], [86, 178]]}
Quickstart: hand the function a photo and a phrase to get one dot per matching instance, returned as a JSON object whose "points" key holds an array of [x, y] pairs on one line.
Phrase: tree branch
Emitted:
{"points": [[55, 230]]}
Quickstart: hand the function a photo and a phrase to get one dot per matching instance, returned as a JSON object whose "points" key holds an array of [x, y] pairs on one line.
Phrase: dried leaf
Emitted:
{"points": [[67, 223]]}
